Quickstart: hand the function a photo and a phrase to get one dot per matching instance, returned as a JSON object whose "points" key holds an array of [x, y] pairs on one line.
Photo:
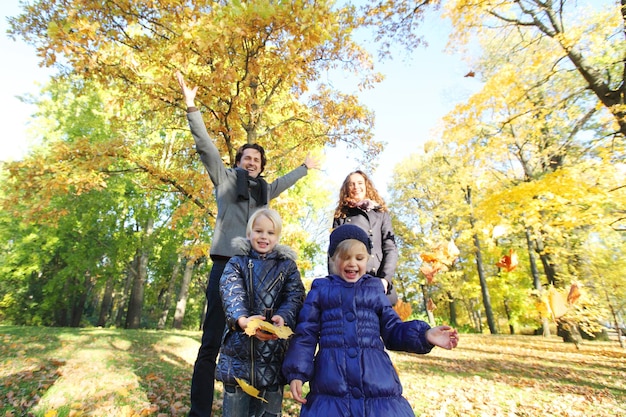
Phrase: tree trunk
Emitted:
{"points": [[431, 317], [478, 319], [483, 284], [181, 304], [61, 312], [168, 296], [79, 305], [135, 305], [107, 303], [548, 266], [507, 310], [452, 307], [615, 321], [121, 303], [479, 265], [545, 322]]}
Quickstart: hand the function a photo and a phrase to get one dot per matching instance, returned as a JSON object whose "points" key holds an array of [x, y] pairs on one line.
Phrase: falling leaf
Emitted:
{"points": [[557, 302], [574, 294], [282, 332], [470, 74], [430, 305], [430, 270], [508, 262], [249, 389], [445, 253], [403, 309]]}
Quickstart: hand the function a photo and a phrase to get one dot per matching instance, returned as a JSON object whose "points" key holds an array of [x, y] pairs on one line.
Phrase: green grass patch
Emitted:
{"points": [[48, 372]]}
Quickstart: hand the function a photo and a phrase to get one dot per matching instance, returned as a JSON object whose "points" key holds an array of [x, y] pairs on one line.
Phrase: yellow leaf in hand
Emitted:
{"points": [[249, 389], [282, 332]]}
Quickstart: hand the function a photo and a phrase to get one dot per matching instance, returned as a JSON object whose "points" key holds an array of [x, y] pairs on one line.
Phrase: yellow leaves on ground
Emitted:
{"points": [[249, 389], [282, 332]]}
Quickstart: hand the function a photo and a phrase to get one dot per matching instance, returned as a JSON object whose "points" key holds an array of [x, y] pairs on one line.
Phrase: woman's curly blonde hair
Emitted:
{"points": [[344, 194]]}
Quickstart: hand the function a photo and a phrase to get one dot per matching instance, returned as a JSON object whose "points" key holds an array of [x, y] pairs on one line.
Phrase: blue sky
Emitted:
{"points": [[418, 91]]}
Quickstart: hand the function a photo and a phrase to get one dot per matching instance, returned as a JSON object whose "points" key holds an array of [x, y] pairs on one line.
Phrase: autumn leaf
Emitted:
{"points": [[430, 270], [430, 305], [249, 389], [557, 302], [282, 332], [508, 262], [403, 309], [574, 294], [445, 253]]}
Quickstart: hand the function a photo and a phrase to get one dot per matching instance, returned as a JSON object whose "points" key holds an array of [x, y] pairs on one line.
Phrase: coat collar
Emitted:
{"points": [[243, 246]]}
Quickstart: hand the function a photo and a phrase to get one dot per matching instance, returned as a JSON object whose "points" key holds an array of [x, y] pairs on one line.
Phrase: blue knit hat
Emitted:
{"points": [[345, 232]]}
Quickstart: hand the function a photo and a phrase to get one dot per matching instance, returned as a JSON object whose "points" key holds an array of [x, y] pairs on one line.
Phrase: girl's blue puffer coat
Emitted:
{"points": [[277, 285], [351, 375]]}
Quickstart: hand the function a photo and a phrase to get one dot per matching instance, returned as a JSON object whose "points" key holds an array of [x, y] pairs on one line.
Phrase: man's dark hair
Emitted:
{"points": [[251, 146]]}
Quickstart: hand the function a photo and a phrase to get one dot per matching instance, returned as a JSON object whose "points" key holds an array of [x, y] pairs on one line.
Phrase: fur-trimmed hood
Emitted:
{"points": [[243, 246]]}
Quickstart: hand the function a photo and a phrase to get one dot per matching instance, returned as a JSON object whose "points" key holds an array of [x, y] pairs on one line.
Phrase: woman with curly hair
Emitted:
{"points": [[360, 204]]}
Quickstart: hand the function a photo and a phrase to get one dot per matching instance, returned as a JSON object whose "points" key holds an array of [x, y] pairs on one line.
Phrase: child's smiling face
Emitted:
{"points": [[263, 236], [351, 263]]}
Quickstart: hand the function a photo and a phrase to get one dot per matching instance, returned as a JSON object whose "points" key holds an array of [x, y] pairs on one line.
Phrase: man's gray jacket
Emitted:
{"points": [[232, 213]]}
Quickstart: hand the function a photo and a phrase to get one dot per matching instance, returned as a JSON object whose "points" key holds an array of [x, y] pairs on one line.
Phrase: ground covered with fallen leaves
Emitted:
{"points": [[57, 372]]}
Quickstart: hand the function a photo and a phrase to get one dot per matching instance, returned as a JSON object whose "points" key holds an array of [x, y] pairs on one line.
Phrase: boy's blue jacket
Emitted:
{"points": [[277, 285], [339, 347]]}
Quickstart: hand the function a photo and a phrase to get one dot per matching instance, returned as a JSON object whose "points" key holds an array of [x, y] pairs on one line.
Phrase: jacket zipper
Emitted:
{"points": [[276, 281], [251, 302]]}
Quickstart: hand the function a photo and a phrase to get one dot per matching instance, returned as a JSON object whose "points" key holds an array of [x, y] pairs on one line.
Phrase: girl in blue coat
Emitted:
{"points": [[339, 344], [261, 282]]}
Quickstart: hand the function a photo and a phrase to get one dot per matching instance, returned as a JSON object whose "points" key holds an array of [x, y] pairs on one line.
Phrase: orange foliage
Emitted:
{"points": [[558, 302], [439, 259], [429, 271], [574, 294], [403, 309], [445, 253], [508, 262]]}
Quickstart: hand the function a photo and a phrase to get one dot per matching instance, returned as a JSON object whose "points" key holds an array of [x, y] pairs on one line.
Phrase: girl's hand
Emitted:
{"points": [[262, 335], [443, 336], [278, 320], [296, 391]]}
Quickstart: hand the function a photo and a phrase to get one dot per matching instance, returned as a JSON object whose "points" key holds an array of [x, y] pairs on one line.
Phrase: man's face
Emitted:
{"points": [[251, 162]]}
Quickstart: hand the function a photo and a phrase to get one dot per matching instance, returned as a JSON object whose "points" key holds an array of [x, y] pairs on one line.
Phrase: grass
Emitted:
{"points": [[58, 372]]}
